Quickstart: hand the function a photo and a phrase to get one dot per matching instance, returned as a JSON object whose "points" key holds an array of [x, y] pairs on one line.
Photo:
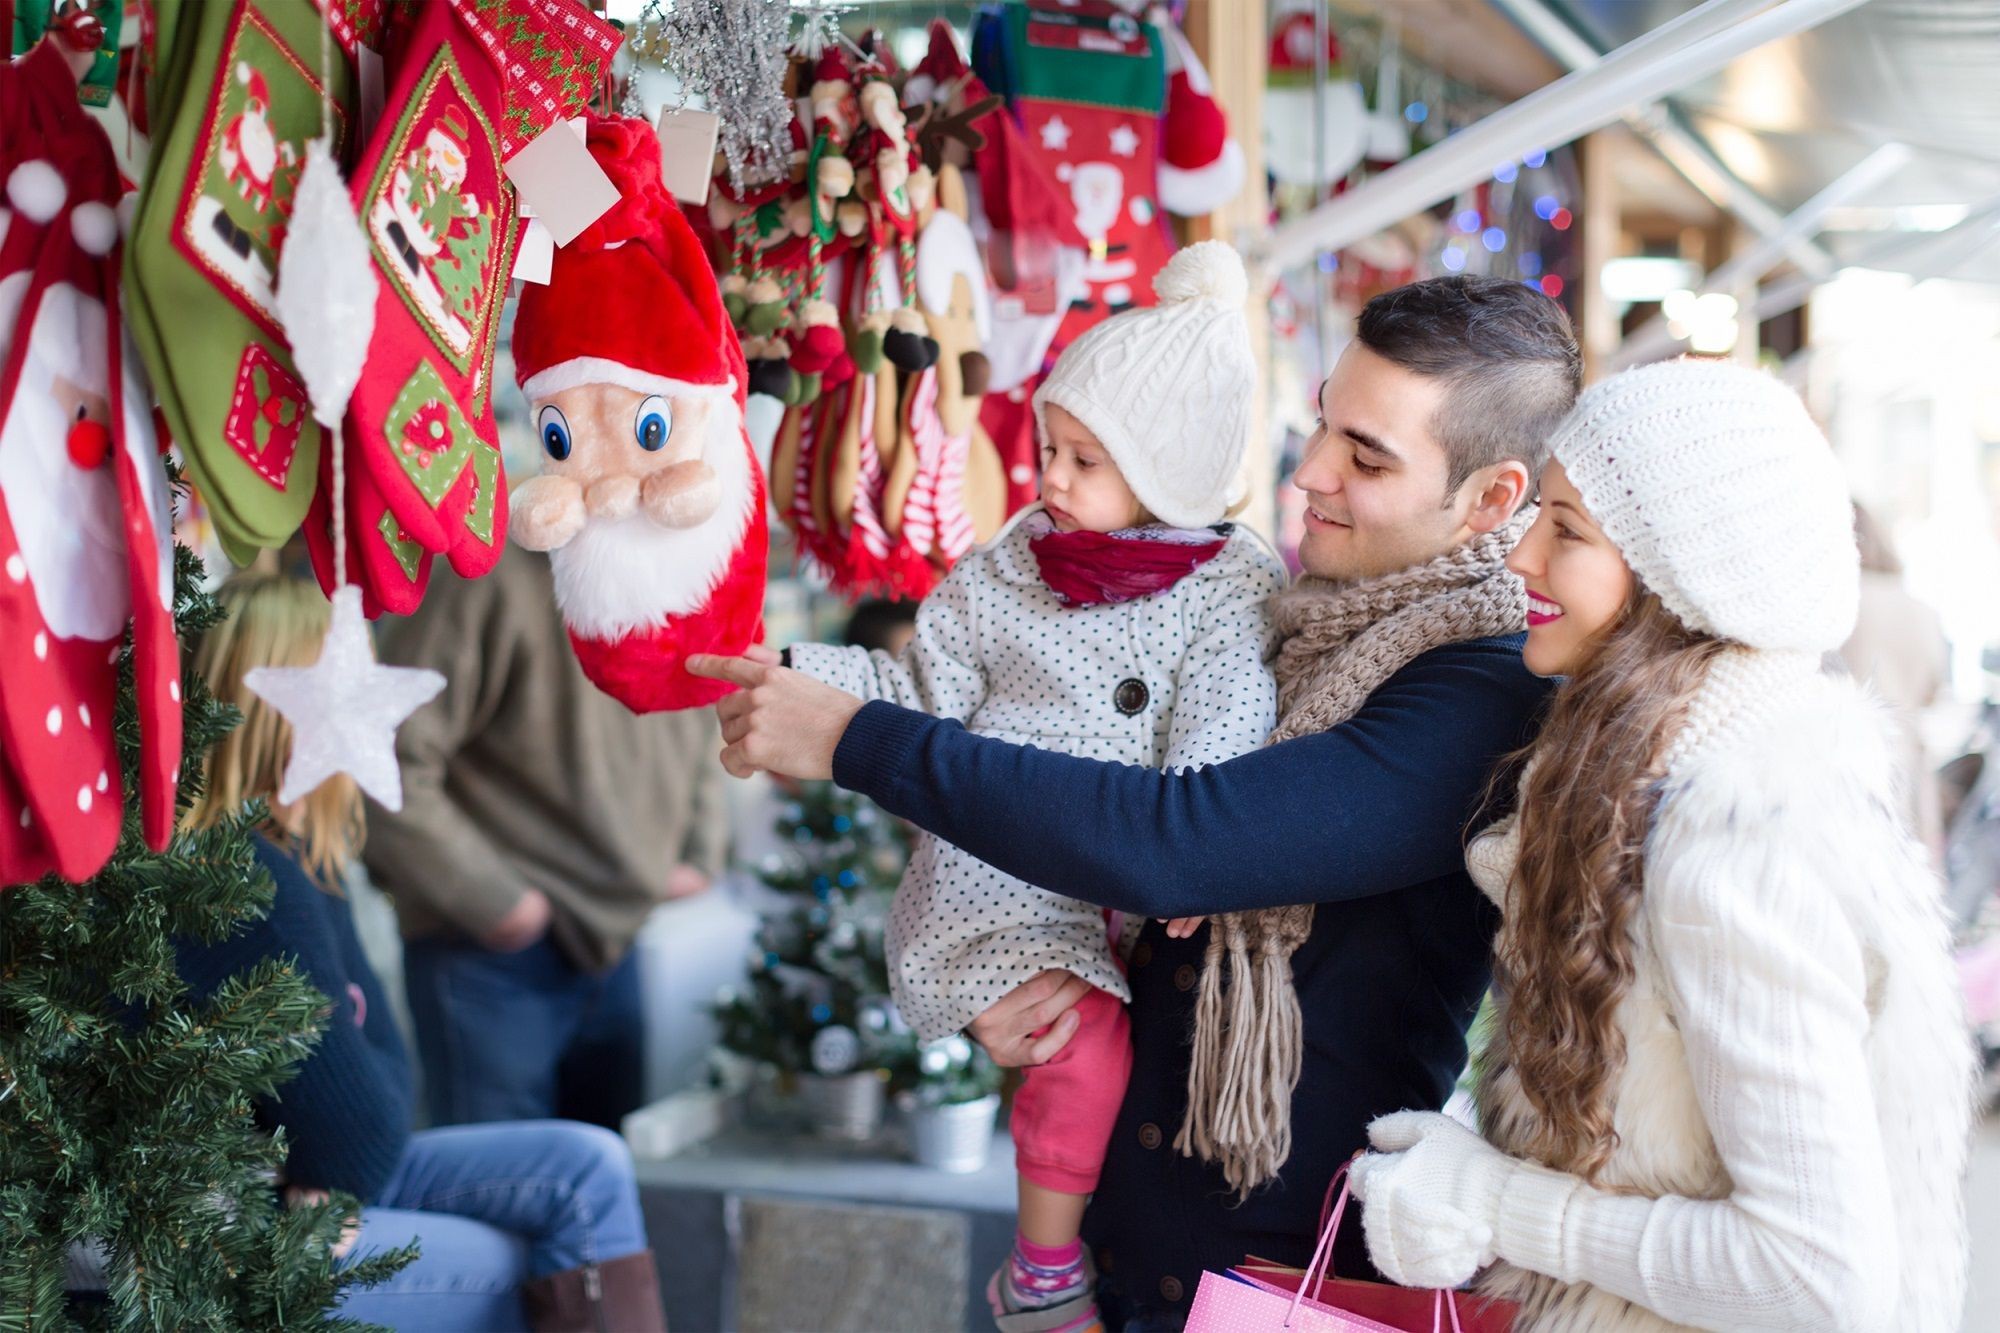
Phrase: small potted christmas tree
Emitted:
{"points": [[817, 1010], [952, 1105]]}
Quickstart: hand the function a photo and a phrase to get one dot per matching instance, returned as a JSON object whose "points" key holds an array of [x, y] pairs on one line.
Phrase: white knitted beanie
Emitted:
{"points": [[1166, 389], [1723, 497]]}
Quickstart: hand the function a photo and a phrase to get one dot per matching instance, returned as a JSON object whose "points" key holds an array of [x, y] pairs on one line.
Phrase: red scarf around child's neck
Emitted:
{"points": [[1096, 568]]}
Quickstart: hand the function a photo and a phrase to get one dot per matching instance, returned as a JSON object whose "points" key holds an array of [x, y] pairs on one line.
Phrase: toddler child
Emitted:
{"points": [[1121, 619]]}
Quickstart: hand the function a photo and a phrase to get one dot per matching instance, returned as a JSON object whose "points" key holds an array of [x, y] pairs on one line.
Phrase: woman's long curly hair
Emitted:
{"points": [[1564, 959]]}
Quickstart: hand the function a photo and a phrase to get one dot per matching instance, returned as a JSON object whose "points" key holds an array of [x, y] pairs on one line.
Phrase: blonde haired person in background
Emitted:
{"points": [[530, 1224]]}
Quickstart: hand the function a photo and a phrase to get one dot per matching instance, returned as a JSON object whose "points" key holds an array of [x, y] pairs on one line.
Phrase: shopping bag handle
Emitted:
{"points": [[1321, 1267]]}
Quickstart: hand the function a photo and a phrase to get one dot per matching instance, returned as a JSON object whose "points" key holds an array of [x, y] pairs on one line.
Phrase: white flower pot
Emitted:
{"points": [[954, 1138], [845, 1106]]}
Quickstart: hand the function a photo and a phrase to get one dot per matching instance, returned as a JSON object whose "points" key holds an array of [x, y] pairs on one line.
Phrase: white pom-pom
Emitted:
{"points": [[1205, 271], [326, 287], [36, 191], [128, 208], [95, 227]]}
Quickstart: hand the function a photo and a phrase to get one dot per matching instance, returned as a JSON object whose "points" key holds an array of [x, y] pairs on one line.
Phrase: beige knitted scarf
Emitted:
{"points": [[1338, 644]]}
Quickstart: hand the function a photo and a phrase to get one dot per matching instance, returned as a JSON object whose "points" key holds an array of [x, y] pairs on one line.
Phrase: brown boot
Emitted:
{"points": [[617, 1296]]}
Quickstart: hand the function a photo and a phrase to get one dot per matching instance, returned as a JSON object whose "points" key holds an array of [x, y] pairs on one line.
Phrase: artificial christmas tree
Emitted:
{"points": [[125, 1106], [818, 1001]]}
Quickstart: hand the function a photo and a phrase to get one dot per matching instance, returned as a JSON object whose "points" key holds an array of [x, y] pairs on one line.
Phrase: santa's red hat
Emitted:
{"points": [[256, 89], [1201, 167], [941, 65], [832, 67], [632, 300]]}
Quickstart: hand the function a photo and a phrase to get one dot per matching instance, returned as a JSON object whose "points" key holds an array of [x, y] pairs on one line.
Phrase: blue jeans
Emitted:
{"points": [[526, 1035], [493, 1206]]}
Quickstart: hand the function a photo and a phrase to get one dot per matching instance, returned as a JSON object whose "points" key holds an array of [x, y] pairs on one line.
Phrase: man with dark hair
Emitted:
{"points": [[1339, 846]]}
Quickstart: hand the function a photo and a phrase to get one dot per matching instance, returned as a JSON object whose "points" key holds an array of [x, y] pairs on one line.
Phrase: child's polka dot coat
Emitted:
{"points": [[1174, 680]]}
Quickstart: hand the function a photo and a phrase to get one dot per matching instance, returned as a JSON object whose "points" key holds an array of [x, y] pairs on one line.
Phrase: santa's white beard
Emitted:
{"points": [[67, 520], [619, 576]]}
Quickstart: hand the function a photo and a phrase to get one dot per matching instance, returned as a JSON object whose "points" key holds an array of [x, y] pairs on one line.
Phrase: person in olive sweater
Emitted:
{"points": [[532, 1224], [1348, 830], [541, 825]]}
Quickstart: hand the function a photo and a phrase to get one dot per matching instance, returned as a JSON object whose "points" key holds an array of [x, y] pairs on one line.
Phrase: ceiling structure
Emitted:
{"points": [[1794, 116]]}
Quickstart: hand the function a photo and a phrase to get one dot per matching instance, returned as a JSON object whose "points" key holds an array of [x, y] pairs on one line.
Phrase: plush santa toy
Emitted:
{"points": [[650, 502], [84, 525]]}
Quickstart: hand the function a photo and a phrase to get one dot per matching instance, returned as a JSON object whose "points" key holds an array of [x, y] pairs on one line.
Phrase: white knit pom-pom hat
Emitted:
{"points": [[1167, 389], [1724, 499]]}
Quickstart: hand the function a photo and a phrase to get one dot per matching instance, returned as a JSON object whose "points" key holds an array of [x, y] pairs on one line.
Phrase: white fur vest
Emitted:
{"points": [[1794, 1106]]}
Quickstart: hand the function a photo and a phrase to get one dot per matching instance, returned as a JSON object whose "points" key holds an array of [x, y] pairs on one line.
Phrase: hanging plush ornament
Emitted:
{"points": [[650, 502], [85, 523], [1294, 151]]}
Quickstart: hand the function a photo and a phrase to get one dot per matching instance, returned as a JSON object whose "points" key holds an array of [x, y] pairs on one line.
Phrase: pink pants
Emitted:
{"points": [[1065, 1109]]}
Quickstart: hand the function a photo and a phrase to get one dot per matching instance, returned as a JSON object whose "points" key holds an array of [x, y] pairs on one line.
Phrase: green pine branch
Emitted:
{"points": [[126, 1106]]}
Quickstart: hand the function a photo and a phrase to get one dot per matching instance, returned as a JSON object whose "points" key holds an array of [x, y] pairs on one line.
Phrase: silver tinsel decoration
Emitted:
{"points": [[732, 54]]}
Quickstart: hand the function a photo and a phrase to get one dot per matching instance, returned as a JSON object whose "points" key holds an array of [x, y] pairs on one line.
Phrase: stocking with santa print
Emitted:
{"points": [[470, 83], [202, 269], [84, 515], [1086, 82]]}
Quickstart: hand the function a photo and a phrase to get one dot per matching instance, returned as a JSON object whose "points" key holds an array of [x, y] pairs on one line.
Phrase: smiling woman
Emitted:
{"points": [[1578, 585], [1729, 1081]]}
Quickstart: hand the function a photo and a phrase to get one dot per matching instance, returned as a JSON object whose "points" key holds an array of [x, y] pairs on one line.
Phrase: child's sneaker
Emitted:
{"points": [[1037, 1298]]}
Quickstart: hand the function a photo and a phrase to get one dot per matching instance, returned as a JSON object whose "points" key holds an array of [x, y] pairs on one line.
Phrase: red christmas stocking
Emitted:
{"points": [[1090, 84]]}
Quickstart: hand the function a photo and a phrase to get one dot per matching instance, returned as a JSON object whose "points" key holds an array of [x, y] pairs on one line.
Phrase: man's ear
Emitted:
{"points": [[1496, 493]]}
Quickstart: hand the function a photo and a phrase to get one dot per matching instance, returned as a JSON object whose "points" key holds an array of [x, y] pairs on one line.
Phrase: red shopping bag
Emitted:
{"points": [[1259, 1296]]}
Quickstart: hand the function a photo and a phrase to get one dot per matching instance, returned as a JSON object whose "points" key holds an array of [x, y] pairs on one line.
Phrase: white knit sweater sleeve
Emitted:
{"points": [[939, 673], [1225, 698], [1765, 978]]}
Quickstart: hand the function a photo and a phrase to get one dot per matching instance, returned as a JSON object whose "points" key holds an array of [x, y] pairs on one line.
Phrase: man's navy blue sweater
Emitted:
{"points": [[346, 1113], [1368, 820]]}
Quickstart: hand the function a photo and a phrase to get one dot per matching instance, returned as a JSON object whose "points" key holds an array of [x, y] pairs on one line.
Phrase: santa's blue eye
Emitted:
{"points": [[554, 430], [653, 424]]}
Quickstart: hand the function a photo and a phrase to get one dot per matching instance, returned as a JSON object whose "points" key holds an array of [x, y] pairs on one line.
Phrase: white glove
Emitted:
{"points": [[1433, 1195]]}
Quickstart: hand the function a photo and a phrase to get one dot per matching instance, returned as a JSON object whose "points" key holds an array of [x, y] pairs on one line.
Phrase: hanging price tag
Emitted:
{"points": [[687, 152], [558, 179], [537, 253]]}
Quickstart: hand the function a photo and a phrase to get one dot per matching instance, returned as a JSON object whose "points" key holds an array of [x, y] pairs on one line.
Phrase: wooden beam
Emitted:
{"points": [[1232, 39], [1602, 231]]}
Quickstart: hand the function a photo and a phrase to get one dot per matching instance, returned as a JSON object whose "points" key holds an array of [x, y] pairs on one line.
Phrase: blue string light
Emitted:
{"points": [[1546, 206], [1329, 262], [1506, 172], [1453, 259], [1468, 221], [1536, 159], [822, 1012], [1493, 239], [1416, 113], [848, 879]]}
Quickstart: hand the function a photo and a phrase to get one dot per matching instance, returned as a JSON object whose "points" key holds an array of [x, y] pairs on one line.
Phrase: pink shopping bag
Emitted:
{"points": [[1261, 1297]]}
